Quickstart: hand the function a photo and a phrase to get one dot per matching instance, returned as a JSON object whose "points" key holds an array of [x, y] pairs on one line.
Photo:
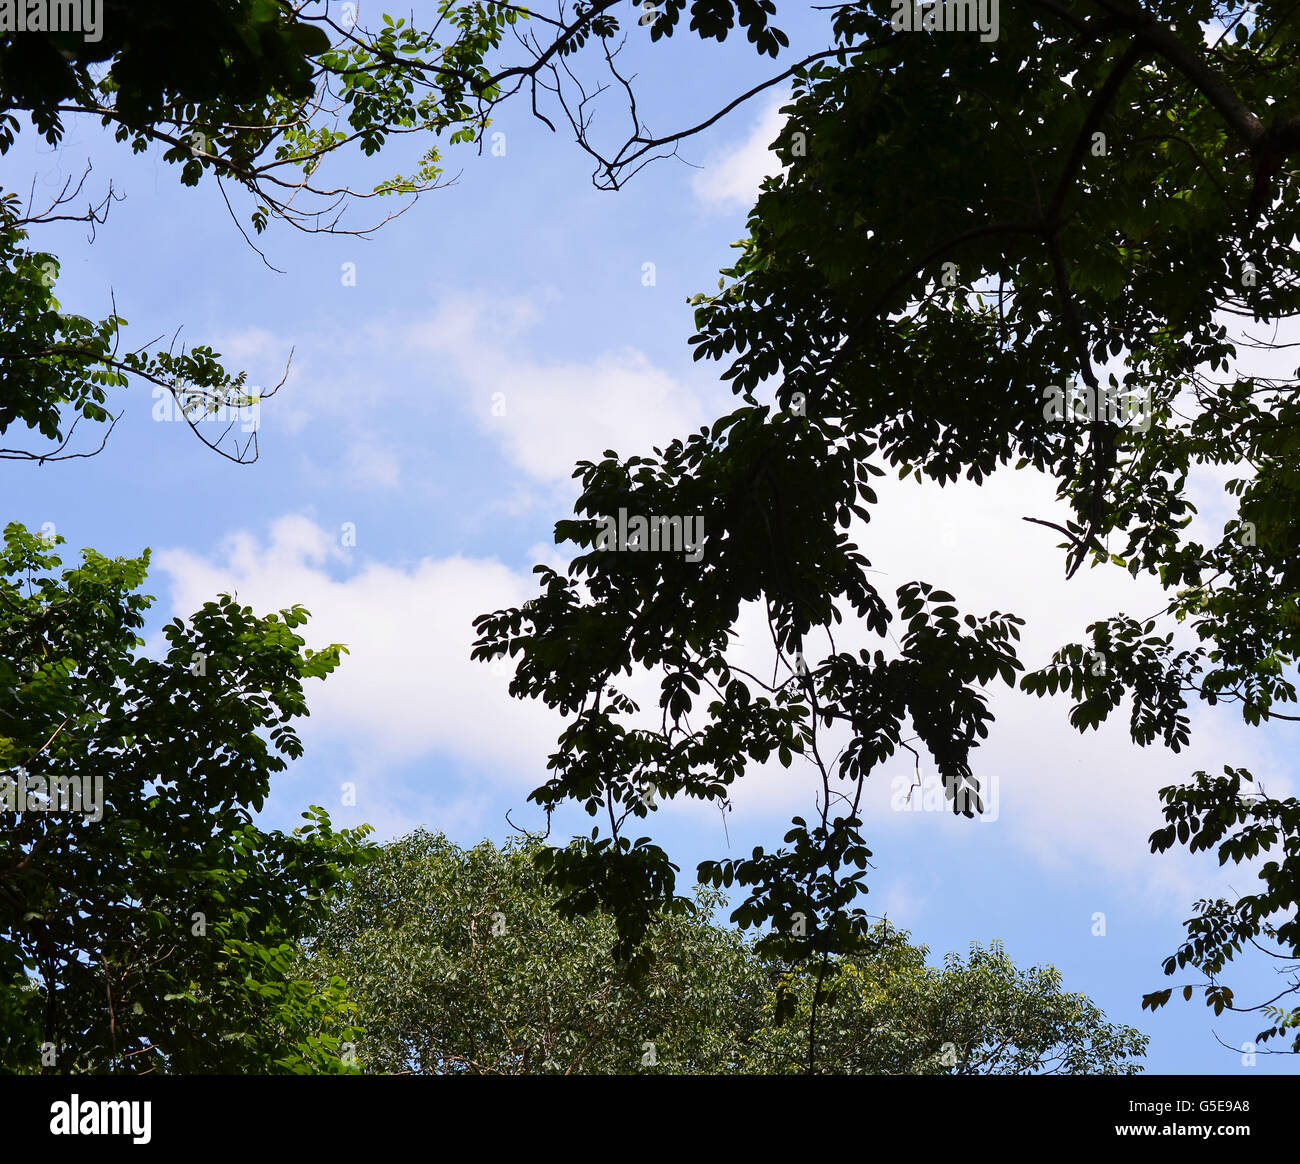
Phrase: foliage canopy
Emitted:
{"points": [[458, 963], [146, 923], [1096, 211]]}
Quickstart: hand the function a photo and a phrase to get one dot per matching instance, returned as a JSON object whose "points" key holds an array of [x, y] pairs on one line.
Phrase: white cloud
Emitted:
{"points": [[731, 178], [407, 688], [1067, 797], [549, 415], [545, 414], [1072, 801]]}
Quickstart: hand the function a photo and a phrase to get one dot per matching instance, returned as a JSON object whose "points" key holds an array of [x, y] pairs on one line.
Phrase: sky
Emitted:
{"points": [[445, 377]]}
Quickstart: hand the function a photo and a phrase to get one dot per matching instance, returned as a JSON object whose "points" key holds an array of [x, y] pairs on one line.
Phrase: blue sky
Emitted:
{"points": [[521, 283]]}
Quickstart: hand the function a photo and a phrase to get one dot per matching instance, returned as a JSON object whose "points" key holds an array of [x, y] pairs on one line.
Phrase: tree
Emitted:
{"points": [[258, 95], [979, 255], [458, 963], [254, 94], [892, 1014], [146, 924], [1222, 811]]}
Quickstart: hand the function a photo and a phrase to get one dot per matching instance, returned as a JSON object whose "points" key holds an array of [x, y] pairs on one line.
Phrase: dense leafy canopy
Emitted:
{"points": [[146, 924], [458, 963], [979, 257], [1085, 207]]}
